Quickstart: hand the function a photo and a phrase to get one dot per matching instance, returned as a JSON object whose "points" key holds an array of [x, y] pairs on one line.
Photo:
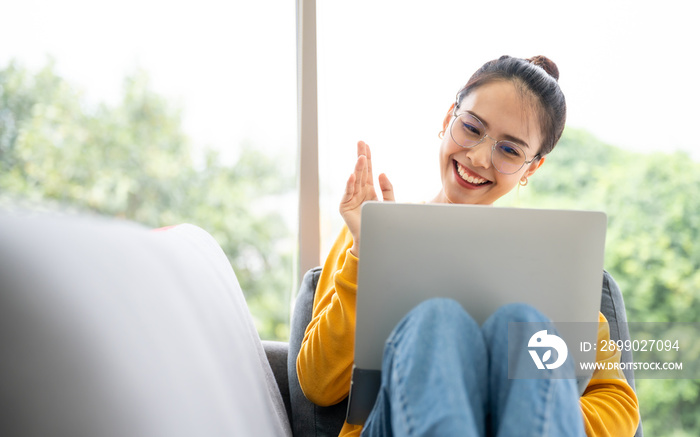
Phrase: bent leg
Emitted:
{"points": [[548, 406], [434, 375]]}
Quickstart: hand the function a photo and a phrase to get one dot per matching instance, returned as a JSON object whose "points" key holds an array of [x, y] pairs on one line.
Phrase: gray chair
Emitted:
{"points": [[308, 419]]}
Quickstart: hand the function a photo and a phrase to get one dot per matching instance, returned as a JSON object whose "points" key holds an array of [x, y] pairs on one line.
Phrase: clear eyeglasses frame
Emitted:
{"points": [[468, 131]]}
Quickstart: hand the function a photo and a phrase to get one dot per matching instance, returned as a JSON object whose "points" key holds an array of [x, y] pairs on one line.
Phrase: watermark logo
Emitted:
{"points": [[541, 340], [652, 350]]}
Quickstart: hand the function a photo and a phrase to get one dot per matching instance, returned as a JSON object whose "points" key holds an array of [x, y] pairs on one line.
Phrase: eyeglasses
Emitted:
{"points": [[468, 131]]}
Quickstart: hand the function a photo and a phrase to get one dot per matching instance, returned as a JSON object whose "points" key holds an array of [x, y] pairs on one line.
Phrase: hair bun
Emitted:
{"points": [[547, 64]]}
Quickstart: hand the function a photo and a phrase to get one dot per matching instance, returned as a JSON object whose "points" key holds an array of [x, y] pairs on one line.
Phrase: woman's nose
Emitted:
{"points": [[480, 155]]}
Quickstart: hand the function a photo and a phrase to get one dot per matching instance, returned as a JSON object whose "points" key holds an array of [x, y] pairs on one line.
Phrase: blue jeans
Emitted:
{"points": [[443, 375]]}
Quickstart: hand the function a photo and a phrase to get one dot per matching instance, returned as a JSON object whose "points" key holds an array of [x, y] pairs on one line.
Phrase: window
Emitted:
{"points": [[388, 72], [163, 113]]}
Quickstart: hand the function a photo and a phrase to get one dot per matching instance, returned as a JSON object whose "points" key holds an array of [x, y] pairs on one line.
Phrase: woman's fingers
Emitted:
{"points": [[349, 189], [368, 154], [360, 186], [387, 188], [360, 173], [356, 184], [363, 150]]}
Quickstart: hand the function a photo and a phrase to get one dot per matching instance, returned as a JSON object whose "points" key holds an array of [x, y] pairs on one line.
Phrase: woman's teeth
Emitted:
{"points": [[471, 179]]}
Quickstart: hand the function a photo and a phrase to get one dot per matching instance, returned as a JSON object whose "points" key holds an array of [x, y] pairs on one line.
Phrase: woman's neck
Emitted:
{"points": [[441, 198]]}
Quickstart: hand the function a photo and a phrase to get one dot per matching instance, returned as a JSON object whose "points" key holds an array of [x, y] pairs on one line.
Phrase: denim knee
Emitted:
{"points": [[438, 306], [496, 326], [438, 315], [517, 312]]}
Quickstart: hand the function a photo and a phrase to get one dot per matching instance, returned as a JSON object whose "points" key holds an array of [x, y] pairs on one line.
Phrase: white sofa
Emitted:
{"points": [[111, 329]]}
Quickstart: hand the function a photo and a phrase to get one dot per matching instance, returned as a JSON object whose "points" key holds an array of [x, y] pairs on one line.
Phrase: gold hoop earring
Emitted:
{"points": [[523, 182], [441, 134]]}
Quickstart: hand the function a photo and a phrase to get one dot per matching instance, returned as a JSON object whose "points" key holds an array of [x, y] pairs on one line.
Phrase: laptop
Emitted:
{"points": [[481, 256]]}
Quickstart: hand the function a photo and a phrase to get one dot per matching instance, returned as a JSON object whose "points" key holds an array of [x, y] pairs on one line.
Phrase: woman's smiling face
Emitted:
{"points": [[468, 175]]}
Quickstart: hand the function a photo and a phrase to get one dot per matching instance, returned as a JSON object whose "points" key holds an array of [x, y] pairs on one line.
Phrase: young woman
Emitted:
{"points": [[442, 374]]}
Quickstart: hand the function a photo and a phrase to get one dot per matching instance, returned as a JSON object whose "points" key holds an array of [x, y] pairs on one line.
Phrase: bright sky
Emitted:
{"points": [[388, 70]]}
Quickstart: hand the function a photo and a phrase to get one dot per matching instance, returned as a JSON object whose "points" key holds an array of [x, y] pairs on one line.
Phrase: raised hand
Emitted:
{"points": [[360, 189]]}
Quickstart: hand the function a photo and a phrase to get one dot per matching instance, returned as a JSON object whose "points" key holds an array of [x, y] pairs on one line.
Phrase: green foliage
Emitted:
{"points": [[653, 207], [134, 161]]}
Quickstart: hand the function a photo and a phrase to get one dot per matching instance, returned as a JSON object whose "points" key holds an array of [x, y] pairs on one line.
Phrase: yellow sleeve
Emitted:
{"points": [[609, 405], [324, 364]]}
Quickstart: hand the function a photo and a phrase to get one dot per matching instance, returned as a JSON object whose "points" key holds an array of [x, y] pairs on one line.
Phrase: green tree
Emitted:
{"points": [[134, 161]]}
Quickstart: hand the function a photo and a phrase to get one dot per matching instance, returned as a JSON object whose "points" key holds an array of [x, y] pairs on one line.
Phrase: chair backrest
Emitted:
{"points": [[309, 419], [612, 306]]}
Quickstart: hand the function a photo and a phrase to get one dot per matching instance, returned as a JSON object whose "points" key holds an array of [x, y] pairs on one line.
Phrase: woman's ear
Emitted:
{"points": [[533, 167], [448, 117]]}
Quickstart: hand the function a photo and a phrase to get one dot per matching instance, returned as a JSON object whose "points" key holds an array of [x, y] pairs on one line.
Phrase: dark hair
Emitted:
{"points": [[538, 76]]}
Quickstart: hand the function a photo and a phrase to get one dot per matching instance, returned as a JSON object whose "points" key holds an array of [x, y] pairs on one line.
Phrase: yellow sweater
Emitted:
{"points": [[324, 365]]}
